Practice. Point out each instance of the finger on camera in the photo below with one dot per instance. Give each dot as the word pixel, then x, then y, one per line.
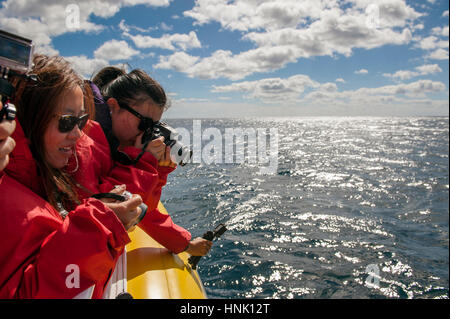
pixel 6 129
pixel 133 202
pixel 6 146
pixel 118 189
pixel 159 150
pixel 157 142
pixel 167 153
pixel 208 243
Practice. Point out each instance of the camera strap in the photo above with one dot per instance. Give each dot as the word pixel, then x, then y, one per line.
pixel 114 196
pixel 122 198
pixel 124 159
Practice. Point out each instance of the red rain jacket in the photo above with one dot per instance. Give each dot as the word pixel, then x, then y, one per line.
pixel 145 178
pixel 42 255
pixel 34 236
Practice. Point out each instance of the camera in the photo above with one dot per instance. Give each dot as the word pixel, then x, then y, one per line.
pixel 8 111
pixel 15 52
pixel 179 153
pixel 15 60
pixel 16 55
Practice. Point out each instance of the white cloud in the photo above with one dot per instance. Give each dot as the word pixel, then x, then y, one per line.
pixel 300 89
pixel 361 71
pixel 115 50
pixel 127 28
pixel 85 66
pixel 414 89
pixel 445 13
pixel 47 50
pixel 112 50
pixel 333 34
pixel 41 22
pixel 420 70
pixel 429 69
pixel 438 48
pixel 436 44
pixel 223 63
pixel 179 61
pixel 275 49
pixel 154 3
pixel 273 90
pixel 340 80
pixel 273 14
pixel 285 31
pixel 440 31
pixel 166 27
pixel 439 54
pixel 431 43
pixel 169 42
pixel 190 100
pixel 402 75
pixel 328 87
pixel 302 96
pixel 419 26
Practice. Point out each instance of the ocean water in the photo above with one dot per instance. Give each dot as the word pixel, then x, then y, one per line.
pixel 356 208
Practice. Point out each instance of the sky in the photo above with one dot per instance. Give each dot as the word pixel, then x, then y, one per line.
pixel 257 58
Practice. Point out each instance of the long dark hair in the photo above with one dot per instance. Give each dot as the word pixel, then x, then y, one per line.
pixel 36 106
pixel 128 88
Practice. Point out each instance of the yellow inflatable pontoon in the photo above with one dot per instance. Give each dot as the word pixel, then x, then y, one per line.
pixel 153 272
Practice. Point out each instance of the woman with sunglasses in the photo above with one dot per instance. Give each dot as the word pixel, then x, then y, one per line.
pixel 55 245
pixel 127 104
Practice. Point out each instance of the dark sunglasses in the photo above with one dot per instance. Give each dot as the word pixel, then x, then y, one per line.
pixel 67 123
pixel 145 124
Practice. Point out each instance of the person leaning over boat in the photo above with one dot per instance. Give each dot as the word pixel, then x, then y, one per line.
pixel 54 245
pixel 7 144
pixel 118 96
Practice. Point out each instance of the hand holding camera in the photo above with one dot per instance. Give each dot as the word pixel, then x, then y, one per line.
pixel 164 145
pixel 16 54
pixel 166 159
pixel 155 147
pixel 15 60
pixel 7 144
pixel 8 110
pixel 129 208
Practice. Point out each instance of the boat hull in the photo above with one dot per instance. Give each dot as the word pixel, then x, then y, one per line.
pixel 153 272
